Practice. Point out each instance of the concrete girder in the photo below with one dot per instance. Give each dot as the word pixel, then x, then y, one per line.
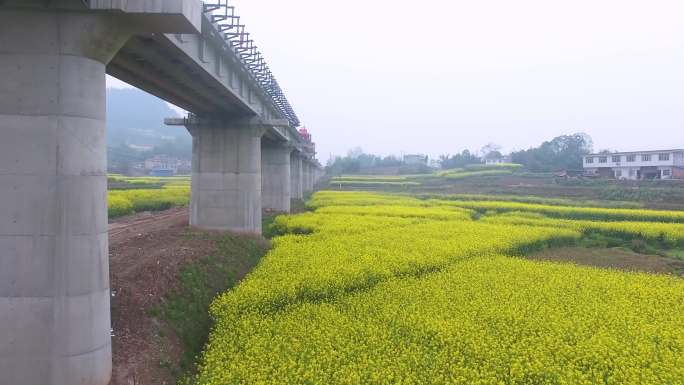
pixel 235 93
pixel 129 69
pixel 196 91
pixel 185 16
pixel 54 274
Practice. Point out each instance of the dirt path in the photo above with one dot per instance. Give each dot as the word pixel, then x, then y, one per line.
pixel 615 258
pixel 146 252
pixel 124 229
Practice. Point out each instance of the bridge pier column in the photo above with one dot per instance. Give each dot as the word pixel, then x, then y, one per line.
pixel 310 177
pixel 226 177
pixel 314 170
pixel 308 186
pixel 275 177
pixel 296 176
pixel 54 275
pixel 314 175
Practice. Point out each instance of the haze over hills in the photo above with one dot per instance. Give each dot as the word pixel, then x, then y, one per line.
pixel 137 118
pixel 136 130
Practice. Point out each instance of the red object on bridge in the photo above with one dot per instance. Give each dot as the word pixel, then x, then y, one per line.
pixel 304 133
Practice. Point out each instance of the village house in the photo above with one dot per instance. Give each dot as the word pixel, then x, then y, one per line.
pixel 164 165
pixel 496 159
pixel 636 165
pixel 415 159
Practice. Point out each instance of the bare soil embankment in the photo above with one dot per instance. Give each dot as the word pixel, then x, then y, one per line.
pixel 146 251
pixel 163 277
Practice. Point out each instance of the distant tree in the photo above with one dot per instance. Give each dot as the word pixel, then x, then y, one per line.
pixel 355 152
pixel 443 159
pixel 458 160
pixel 389 161
pixel 564 152
pixel 177 149
pixel 491 151
pixel 357 160
pixel 342 165
pixel 493 155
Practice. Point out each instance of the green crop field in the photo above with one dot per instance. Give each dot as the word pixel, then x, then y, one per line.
pixel 392 289
pixel 510 182
pixel 132 195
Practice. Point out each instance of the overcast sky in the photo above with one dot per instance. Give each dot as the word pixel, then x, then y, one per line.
pixel 437 76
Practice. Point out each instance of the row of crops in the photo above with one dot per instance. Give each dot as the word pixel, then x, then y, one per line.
pixel 475 170
pixel 386 289
pixel 480 170
pixel 134 195
pixel 372 181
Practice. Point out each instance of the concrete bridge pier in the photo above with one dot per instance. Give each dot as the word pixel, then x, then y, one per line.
pixel 296 174
pixel 226 176
pixel 308 177
pixel 312 175
pixel 305 176
pixel 54 276
pixel 312 170
pixel 275 176
pixel 316 174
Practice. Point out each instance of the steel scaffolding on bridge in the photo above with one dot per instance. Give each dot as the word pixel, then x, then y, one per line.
pixel 228 24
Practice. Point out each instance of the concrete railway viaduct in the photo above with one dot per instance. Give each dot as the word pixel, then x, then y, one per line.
pixel 247 155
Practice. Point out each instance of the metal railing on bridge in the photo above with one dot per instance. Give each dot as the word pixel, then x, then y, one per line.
pixel 227 22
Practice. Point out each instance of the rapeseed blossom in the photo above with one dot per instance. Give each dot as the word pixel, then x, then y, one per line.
pixel 390 289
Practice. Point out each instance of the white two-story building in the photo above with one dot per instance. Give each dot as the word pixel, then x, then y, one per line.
pixel 497 160
pixel 663 164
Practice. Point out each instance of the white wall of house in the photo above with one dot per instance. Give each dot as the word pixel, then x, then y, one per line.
pixel 415 159
pixel 505 159
pixel 162 162
pixel 679 158
pixel 632 165
pixel 646 159
pixel 630 173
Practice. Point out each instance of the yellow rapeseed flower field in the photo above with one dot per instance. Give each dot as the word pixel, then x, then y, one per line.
pixel 175 191
pixel 389 289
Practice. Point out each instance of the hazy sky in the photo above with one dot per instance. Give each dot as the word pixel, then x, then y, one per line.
pixel 436 76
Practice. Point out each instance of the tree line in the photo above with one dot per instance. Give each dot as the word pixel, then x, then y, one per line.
pixel 563 152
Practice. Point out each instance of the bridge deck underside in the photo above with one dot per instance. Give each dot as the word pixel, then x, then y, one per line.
pixel 152 64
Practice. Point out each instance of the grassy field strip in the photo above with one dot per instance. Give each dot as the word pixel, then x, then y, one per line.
pixel 371 183
pixel 367 293
pixel 591 213
pixel 568 212
pixel 375 178
pixel 474 170
pixel 470 174
pixel 531 199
